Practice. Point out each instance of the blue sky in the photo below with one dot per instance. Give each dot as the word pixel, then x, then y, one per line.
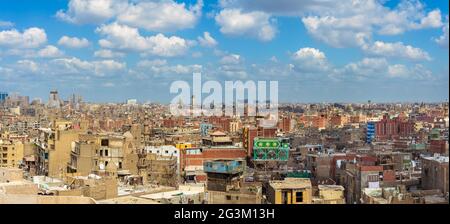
pixel 318 50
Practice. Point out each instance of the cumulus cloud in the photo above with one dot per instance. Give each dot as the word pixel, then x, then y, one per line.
pixel 231 59
pixel 418 71
pixel 443 39
pixel 207 40
pixel 91 11
pixel 283 7
pixel 336 32
pixel 73 42
pixel 27 66
pixel 377 68
pixel 6 23
pixel 123 37
pixel 397 49
pixel 76 66
pixel 344 23
pixel 159 66
pixel 366 67
pixel 159 16
pixel 108 54
pixel 310 60
pixel 29 38
pixel 50 51
pixel 256 24
pixel 353 22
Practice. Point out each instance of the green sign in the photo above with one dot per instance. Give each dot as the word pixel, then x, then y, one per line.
pixel 272 149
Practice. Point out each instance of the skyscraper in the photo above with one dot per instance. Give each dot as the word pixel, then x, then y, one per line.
pixel 54 101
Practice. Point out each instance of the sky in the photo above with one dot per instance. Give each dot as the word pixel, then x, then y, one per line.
pixel 317 50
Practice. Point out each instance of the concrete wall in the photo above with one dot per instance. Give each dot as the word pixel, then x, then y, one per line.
pixel 36 199
pixel 60 156
pixel 22 187
pixel 218 197
pixel 10 174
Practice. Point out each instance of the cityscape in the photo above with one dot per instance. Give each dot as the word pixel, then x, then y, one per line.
pixel 224 102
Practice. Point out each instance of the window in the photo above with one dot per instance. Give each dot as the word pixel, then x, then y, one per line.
pixel 373 178
pixel 299 196
pixel 101 152
pixel 228 197
pixel 120 165
pixel 106 152
pixel 105 142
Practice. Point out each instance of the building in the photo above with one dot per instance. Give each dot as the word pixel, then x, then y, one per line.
pixel 290 191
pixel 164 151
pixel 399 195
pixel 103 154
pixel 225 184
pixel 435 173
pixel 329 194
pixel 11 153
pixel 192 159
pixel 54 147
pixel 53 100
pixel 391 128
pixel 370 132
pixel 162 170
pixel 3 96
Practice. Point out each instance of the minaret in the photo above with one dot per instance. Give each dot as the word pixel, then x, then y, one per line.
pixel 193 107
pixel 142 166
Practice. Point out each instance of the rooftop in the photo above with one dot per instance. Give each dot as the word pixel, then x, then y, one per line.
pixel 437 158
pixel 291 183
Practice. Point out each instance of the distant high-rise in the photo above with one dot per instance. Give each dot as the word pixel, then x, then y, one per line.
pixel 54 101
pixel 3 96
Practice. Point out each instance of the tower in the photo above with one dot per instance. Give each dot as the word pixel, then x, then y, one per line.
pixel 142 166
pixel 53 101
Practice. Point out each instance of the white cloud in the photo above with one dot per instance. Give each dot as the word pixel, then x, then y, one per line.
pixel 310 60
pixel 91 11
pixel 76 66
pixel 306 53
pixel 231 59
pixel 237 23
pixel 27 66
pixel 336 32
pixel 378 68
pixel 29 38
pixel 159 66
pixel 397 49
pixel 403 71
pixel 353 22
pixel 73 42
pixel 123 37
pixel 6 23
pixel 207 40
pixel 50 51
pixel 231 66
pixel 283 7
pixel 432 20
pixel 161 16
pixel 443 39
pixel 108 54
